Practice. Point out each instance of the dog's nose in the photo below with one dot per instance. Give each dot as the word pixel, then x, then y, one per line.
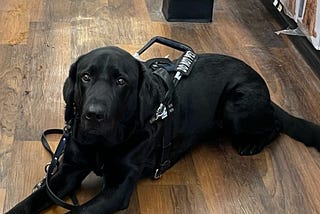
pixel 95 113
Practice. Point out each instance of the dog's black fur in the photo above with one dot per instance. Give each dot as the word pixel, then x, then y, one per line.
pixel 111 96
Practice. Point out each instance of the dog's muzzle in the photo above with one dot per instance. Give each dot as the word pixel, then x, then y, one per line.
pixel 95 113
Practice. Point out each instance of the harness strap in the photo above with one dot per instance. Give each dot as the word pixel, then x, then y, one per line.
pixel 182 68
pixel 156 63
pixel 165 76
pixel 165 162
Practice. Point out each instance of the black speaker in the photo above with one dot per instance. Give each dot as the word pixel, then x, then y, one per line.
pixel 188 10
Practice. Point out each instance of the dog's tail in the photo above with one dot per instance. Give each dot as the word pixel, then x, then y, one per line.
pixel 297 128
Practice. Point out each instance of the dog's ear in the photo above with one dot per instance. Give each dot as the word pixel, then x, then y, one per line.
pixel 148 97
pixel 68 93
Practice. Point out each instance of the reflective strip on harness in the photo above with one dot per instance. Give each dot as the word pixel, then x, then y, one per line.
pixel 185 64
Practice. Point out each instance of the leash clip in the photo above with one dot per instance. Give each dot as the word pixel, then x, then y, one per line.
pixel 163 166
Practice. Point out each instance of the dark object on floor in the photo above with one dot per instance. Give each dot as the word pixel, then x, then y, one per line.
pixel 188 10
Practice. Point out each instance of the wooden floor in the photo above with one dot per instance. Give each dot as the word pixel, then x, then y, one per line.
pixel 39 39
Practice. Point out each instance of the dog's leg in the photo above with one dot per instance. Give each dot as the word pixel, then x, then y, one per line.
pixel 250 134
pixel 249 118
pixel 113 197
pixel 62 183
pixel 119 183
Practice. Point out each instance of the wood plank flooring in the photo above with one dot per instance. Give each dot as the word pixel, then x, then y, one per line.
pixel 39 39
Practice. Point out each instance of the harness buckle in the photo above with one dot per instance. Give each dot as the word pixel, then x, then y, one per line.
pixel 55 166
pixel 161 113
pixel 163 166
pixel 157 174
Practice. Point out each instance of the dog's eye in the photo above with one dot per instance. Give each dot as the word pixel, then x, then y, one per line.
pixel 85 78
pixel 121 82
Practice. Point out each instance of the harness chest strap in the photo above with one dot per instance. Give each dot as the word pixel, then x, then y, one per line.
pixel 183 68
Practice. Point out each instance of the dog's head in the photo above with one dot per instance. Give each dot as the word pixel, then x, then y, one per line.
pixel 104 89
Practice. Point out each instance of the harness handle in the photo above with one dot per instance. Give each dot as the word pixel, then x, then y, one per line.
pixel 164 41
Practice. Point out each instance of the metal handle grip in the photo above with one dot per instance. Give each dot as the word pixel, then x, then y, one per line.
pixel 167 42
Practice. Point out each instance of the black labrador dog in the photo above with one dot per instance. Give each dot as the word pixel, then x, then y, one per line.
pixel 112 97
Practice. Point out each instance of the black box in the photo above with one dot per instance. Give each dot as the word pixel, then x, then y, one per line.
pixel 188 10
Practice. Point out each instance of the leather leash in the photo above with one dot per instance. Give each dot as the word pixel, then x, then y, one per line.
pixel 53 166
